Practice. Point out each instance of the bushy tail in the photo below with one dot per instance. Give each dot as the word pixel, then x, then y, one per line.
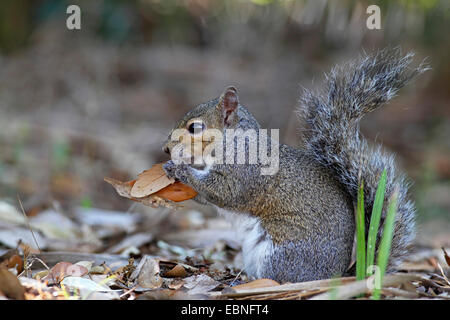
pixel 332 133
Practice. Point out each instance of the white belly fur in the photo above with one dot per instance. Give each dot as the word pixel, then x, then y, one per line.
pixel 257 245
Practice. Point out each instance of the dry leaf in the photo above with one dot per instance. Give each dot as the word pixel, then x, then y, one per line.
pixel 175 272
pixel 447 257
pixel 64 269
pixel 177 192
pixel 150 181
pixel 200 284
pixel 135 240
pixel 41 274
pixel 153 188
pixel 11 259
pixel 11 236
pixel 176 284
pixel 147 273
pixel 57 273
pixel 10 285
pixel 86 287
pixel 97 270
pixel 15 262
pixel 86 264
pixel 111 260
pixel 124 189
pixel 76 270
pixel 10 214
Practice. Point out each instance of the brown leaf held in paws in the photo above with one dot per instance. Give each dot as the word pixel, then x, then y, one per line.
pixel 150 181
pixel 176 192
pixel 153 188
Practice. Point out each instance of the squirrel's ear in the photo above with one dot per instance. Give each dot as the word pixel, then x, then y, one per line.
pixel 228 102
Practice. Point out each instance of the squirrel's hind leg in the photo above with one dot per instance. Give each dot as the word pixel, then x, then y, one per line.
pixel 295 262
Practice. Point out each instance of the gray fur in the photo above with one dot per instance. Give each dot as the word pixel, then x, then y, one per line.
pixel 332 134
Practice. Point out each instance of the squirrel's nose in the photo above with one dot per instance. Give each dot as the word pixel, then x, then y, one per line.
pixel 166 149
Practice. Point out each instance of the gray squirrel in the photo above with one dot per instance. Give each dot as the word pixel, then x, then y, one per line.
pixel 299 223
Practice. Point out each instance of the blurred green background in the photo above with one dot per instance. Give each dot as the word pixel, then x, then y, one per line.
pixel 78 105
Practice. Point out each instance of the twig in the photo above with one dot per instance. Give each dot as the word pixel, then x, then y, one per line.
pixel 443 274
pixel 309 285
pixel 400 293
pixel 28 223
pixel 231 284
pixel 360 287
pixel 127 292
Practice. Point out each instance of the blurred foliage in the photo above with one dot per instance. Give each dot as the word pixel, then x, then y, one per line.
pixel 191 20
pixel 15 24
pixel 61 154
pixel 124 57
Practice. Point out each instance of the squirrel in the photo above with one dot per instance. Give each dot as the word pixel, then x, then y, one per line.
pixel 299 223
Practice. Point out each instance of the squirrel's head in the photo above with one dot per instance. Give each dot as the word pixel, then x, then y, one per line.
pixel 218 114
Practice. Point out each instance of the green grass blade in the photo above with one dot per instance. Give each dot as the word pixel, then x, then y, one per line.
pixel 360 236
pixel 386 239
pixel 375 219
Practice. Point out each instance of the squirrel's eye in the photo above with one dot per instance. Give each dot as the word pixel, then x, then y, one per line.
pixel 196 127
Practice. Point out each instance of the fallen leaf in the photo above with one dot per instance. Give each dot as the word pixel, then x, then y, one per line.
pixel 76 270
pixel 6 255
pixel 41 274
pixel 97 270
pixel 176 272
pixel 200 284
pixel 122 188
pixel 176 284
pixel 85 285
pixel 10 285
pixel 85 264
pixel 58 272
pixel 147 273
pixel 150 181
pixel 54 225
pixel 107 218
pixel 135 240
pixel 64 269
pixel 111 260
pixel 10 214
pixel 447 257
pixel 103 279
pixel 11 259
pixel 15 262
pixel 10 238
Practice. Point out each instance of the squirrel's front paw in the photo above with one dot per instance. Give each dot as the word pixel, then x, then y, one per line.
pixel 176 171
pixel 169 168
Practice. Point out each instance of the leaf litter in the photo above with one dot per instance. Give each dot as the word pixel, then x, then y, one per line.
pixel 139 255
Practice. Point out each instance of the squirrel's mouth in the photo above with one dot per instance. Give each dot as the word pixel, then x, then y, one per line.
pixel 198 166
pixel 194 162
